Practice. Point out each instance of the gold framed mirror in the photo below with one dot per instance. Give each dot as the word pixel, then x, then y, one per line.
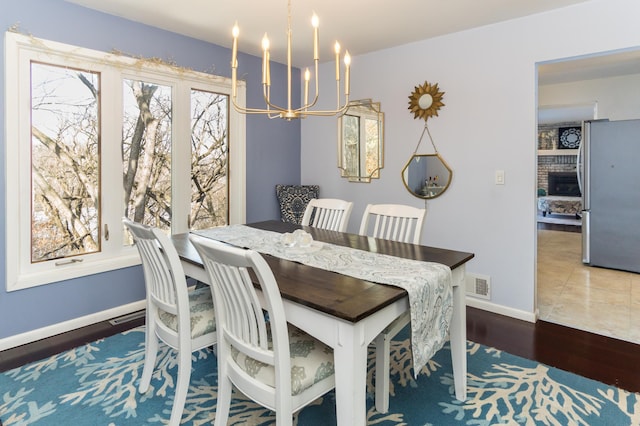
pixel 427 176
pixel 425 101
pixel 361 141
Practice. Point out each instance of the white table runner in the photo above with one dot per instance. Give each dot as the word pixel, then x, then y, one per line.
pixel 428 284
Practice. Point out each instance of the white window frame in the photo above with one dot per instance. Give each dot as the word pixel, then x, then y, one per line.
pixel 20 50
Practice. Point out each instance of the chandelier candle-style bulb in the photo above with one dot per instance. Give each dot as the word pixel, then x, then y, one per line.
pixel 265 59
pixel 347 64
pixel 307 77
pixel 315 23
pixel 234 51
pixel 234 61
pixel 336 47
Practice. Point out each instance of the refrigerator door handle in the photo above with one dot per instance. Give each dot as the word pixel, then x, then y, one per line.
pixel 583 164
pixel 586 235
pixel 579 166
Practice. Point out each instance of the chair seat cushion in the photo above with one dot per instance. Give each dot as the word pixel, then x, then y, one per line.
pixel 311 362
pixel 203 319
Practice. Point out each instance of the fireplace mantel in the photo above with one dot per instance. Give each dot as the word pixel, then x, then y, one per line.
pixel 547 152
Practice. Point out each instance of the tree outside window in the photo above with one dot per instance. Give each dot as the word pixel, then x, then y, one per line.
pixel 95 137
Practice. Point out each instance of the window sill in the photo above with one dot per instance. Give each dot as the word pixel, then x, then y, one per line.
pixel 70 271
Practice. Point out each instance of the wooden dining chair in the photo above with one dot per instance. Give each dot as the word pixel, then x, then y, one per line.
pixel 269 360
pixel 327 213
pixel 401 223
pixel 180 318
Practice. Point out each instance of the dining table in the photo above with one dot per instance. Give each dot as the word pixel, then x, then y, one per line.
pixel 347 313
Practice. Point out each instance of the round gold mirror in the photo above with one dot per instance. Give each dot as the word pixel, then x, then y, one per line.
pixel 426 176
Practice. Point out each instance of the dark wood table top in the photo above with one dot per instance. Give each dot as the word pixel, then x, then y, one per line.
pixel 345 297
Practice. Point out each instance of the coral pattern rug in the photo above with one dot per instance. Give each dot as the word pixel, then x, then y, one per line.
pixel 96 384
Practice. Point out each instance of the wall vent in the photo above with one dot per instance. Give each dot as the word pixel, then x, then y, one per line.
pixel 127 318
pixel 478 286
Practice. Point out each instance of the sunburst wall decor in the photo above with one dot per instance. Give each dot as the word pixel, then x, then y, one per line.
pixel 425 101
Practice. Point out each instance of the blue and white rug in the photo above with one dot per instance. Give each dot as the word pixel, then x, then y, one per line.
pixel 96 384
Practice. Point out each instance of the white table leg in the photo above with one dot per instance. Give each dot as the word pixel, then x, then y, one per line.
pixel 459 334
pixel 350 355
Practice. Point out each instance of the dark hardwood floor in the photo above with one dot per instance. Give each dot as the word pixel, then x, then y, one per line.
pixel 559 227
pixel 607 360
pixel 44 348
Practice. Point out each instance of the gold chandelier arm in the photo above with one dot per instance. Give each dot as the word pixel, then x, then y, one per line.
pixel 245 110
pixel 323 113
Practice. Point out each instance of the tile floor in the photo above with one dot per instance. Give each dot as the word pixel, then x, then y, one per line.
pixel 602 301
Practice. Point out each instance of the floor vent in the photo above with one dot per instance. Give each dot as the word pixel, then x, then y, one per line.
pixel 126 318
pixel 479 286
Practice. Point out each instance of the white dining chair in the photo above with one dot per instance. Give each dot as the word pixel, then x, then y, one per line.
pixel 328 213
pixel 401 223
pixel 396 222
pixel 269 360
pixel 180 318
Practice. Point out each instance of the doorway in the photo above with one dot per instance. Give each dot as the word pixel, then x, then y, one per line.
pixel 567 291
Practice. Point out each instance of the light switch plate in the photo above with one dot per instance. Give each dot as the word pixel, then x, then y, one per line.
pixel 499 177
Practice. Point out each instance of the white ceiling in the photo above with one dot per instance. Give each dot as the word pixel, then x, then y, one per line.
pixel 360 26
pixel 609 64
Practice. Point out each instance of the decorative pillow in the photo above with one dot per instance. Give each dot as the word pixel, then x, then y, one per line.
pixel 293 200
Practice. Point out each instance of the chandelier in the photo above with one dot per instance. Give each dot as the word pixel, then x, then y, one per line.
pixel 288 112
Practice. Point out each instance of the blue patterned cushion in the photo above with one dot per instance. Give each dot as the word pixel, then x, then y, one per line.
pixel 203 319
pixel 293 201
pixel 311 362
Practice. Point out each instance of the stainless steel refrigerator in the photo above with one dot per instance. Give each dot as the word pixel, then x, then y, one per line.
pixel 609 174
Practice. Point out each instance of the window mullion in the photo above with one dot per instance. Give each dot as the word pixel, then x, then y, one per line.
pixel 111 189
pixel 181 158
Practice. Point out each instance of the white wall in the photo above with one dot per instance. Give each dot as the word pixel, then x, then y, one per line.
pixel 488 123
pixel 618 98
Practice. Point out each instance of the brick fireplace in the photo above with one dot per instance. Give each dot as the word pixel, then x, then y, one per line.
pixel 550 158
pixel 563 183
pixel 554 164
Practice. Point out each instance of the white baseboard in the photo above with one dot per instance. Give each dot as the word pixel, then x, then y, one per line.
pixel 62 327
pixel 485 305
pixel 52 330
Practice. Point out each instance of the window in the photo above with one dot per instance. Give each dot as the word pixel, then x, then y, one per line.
pixel 92 137
pixel 65 173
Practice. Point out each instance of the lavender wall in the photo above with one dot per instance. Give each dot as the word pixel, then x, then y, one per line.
pixel 273 147
pixel 488 123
